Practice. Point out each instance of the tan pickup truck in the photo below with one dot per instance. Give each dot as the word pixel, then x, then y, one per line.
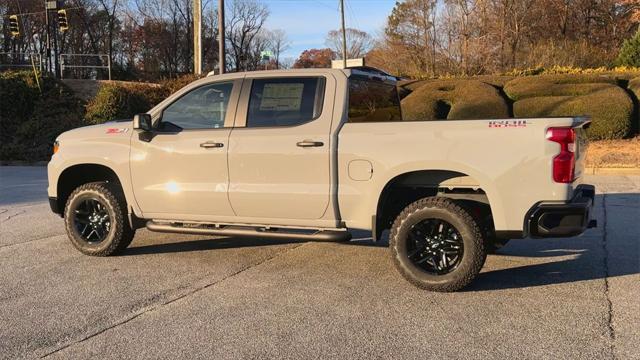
pixel 312 154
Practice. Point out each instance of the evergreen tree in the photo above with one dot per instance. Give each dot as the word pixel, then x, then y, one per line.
pixel 630 52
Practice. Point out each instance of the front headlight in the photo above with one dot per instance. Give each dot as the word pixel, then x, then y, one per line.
pixel 56 146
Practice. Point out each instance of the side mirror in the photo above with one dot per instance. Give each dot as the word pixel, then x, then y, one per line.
pixel 142 122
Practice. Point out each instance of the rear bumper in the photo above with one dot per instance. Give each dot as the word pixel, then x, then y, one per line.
pixel 563 219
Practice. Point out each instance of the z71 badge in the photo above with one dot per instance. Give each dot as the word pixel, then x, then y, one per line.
pixel 117 131
pixel 508 123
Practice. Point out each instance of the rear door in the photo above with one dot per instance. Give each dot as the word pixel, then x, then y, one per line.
pixel 279 148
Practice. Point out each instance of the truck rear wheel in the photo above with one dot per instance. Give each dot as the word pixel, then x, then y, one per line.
pixel 95 219
pixel 437 245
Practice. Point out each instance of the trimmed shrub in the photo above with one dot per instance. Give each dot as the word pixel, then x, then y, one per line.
pixel 634 86
pixel 121 101
pixel 498 81
pixel 18 94
pixel 454 100
pixel 557 85
pixel 173 85
pixel 32 120
pixel 618 71
pixel 609 106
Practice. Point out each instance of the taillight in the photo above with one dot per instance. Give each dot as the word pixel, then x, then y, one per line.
pixel 563 163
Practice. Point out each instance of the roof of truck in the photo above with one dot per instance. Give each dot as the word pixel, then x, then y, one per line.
pixel 360 70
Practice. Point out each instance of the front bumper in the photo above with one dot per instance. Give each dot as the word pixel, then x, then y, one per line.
pixel 55 207
pixel 563 219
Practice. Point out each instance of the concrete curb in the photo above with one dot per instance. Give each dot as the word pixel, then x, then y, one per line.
pixel 23 163
pixel 612 171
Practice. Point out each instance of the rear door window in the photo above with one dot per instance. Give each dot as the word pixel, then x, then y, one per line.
pixel 285 101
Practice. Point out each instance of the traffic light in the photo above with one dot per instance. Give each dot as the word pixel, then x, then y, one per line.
pixel 63 25
pixel 14 27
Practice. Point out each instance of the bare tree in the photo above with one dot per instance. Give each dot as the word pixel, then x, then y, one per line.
pixel 358 43
pixel 110 7
pixel 278 43
pixel 412 28
pixel 243 32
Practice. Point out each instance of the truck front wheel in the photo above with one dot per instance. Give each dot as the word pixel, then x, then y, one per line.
pixel 437 245
pixel 95 218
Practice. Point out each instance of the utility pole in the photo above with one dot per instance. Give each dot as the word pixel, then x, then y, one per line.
pixel 344 36
pixel 48 41
pixel 221 40
pixel 197 37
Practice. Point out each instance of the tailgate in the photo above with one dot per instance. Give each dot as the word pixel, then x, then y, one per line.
pixel 580 127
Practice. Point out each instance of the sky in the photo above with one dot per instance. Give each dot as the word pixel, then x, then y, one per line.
pixel 307 22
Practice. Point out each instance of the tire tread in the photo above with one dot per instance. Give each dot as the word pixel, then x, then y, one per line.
pixel 124 234
pixel 447 204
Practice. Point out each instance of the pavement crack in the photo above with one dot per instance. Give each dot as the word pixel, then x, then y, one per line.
pixel 154 307
pixel 610 329
pixel 14 215
pixel 30 241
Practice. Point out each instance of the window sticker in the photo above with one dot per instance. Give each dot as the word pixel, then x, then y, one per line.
pixel 281 97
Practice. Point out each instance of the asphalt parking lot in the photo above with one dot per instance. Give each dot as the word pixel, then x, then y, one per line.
pixel 185 296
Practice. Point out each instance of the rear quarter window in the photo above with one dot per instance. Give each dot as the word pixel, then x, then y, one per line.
pixel 373 100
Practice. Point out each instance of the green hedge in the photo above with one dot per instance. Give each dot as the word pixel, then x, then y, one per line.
pixel 31 120
pixel 634 87
pixel 453 99
pixel 597 96
pixel 172 85
pixel 120 101
pixel 18 94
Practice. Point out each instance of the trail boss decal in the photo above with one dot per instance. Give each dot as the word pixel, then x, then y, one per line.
pixel 117 131
pixel 508 123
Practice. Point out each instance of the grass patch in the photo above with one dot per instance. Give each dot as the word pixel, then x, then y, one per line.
pixel 453 100
pixel 614 154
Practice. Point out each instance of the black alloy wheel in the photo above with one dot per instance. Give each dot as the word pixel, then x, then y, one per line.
pixel 96 220
pixel 91 220
pixel 435 246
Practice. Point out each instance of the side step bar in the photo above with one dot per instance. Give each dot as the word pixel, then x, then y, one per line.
pixel 247 231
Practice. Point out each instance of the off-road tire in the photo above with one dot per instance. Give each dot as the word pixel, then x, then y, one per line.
pixel 120 234
pixel 473 257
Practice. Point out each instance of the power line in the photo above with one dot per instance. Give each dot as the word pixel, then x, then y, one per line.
pixel 353 15
pixel 42 12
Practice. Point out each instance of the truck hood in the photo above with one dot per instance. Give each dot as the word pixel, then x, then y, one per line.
pixel 108 130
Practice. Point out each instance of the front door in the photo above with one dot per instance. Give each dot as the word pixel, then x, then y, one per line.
pixel 279 149
pixel 180 170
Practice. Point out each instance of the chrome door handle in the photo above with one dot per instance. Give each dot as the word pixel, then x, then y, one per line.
pixel 309 143
pixel 211 144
